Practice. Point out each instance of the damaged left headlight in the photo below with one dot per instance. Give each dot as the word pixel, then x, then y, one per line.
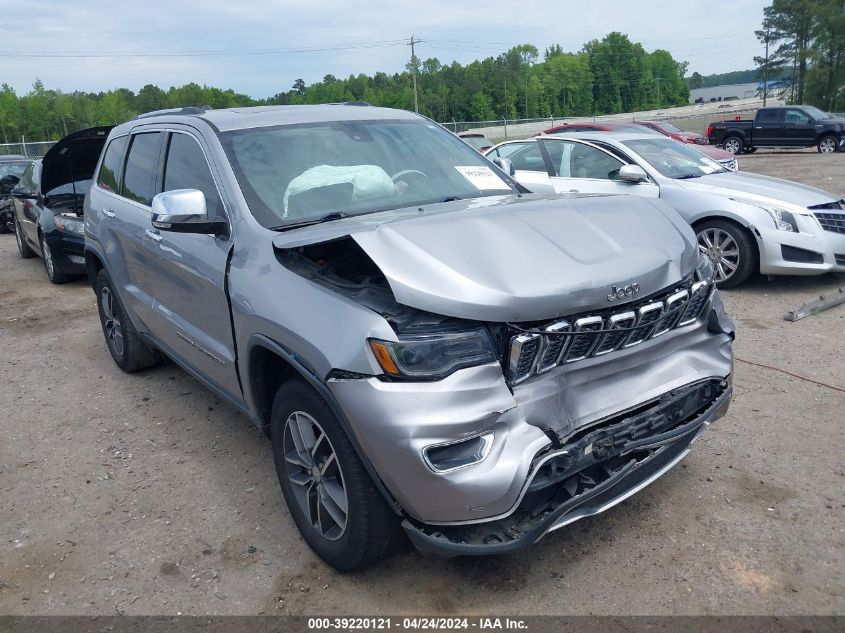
pixel 432 356
pixel 704 270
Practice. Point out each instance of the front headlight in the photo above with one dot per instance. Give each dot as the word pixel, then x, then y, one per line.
pixel 784 220
pixel 431 356
pixel 72 225
pixel 704 269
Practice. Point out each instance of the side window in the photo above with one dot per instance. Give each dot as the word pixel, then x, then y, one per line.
pixel 109 176
pixel 583 161
pixel 139 179
pixel 186 168
pixel 796 117
pixel 770 117
pixel 524 156
pixel 28 177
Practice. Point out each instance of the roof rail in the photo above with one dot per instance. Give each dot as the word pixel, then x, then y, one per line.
pixel 187 110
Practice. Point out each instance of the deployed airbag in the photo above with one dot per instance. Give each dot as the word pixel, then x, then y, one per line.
pixel 368 181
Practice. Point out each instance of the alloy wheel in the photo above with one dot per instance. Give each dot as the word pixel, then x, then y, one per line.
pixel 722 250
pixel 732 145
pixel 827 145
pixel 48 258
pixel 315 475
pixel 111 322
pixel 18 237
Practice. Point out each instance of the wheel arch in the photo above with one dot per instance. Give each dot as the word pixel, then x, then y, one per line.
pixel 740 223
pixel 93 266
pixel 269 365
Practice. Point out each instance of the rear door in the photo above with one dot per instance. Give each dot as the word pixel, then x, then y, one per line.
pixel 532 168
pixel 580 167
pixel 769 129
pixel 187 272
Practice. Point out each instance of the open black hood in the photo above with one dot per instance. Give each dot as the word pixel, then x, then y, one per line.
pixel 73 158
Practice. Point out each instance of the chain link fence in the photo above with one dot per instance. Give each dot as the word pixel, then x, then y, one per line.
pixel 30 149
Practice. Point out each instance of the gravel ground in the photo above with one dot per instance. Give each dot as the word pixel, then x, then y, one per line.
pixel 145 494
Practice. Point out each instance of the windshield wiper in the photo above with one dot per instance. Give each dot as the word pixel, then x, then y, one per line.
pixel 687 176
pixel 329 217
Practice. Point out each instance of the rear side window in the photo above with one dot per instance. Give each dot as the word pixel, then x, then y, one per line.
pixel 770 117
pixel 139 180
pixel 187 168
pixel 109 176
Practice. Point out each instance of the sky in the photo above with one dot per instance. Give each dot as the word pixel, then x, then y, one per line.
pixel 259 47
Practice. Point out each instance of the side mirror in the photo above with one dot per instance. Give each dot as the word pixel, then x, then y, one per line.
pixel 24 193
pixel 506 165
pixel 632 173
pixel 184 211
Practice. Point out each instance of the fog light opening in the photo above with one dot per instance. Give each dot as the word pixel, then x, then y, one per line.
pixel 443 458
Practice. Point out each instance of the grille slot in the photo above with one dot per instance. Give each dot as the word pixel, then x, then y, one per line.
pixel 523 354
pixel 840 259
pixel 699 293
pixel 582 344
pixel 674 309
pixel 612 340
pixel 553 346
pixel 834 222
pixel 647 318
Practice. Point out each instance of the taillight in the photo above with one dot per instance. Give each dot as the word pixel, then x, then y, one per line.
pixel 708 131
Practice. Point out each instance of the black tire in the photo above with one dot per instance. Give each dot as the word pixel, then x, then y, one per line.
pixel 749 150
pixel 53 275
pixel 371 531
pixel 826 143
pixel 4 224
pixel 748 256
pixel 733 144
pixel 23 246
pixel 133 353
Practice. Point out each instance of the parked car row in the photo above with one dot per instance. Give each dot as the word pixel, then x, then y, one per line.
pixel 463 353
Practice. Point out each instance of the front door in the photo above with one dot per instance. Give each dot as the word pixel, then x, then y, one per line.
pixel 190 307
pixel 582 168
pixel 799 129
pixel 531 167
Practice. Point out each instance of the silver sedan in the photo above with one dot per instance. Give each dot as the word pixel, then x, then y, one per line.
pixel 745 223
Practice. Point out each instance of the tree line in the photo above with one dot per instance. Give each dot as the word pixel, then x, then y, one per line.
pixel 607 76
pixel 806 40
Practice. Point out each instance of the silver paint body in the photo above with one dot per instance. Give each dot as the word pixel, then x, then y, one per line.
pixel 721 195
pixel 494 259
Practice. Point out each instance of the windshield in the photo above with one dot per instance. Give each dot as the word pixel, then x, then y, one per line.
pixel 303 173
pixel 817 114
pixel 12 169
pixel 478 142
pixel 673 159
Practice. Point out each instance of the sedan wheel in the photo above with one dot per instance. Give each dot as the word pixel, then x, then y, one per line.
pixel 315 475
pixel 723 251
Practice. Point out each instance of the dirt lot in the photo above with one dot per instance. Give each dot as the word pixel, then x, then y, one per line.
pixel 144 494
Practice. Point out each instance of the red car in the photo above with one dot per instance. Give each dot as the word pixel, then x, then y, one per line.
pixel 667 129
pixel 725 159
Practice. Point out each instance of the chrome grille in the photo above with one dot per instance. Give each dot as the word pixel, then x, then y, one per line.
pixel 573 339
pixel 834 222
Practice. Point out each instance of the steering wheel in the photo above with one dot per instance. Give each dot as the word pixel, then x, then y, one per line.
pixel 407 172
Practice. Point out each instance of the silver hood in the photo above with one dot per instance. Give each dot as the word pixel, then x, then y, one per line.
pixel 743 185
pixel 519 258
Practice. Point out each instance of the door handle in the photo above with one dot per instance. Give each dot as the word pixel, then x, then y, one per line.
pixel 154 235
pixel 109 213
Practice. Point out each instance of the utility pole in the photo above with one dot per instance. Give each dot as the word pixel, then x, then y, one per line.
pixel 414 73
pixel 766 71
pixel 657 81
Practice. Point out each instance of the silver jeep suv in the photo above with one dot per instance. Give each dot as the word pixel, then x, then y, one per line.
pixel 428 345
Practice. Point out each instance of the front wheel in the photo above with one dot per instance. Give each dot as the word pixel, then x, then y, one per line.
pixel 733 144
pixel 329 493
pixel 127 349
pixel 827 145
pixel 730 248
pixel 50 263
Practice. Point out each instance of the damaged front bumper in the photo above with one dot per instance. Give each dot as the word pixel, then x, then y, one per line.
pixel 588 475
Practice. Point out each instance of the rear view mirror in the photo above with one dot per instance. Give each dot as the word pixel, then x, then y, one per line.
pixel 184 211
pixel 506 165
pixel 23 192
pixel 632 174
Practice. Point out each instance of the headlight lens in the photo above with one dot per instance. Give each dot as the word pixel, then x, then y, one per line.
pixel 72 225
pixel 784 220
pixel 433 355
pixel 704 270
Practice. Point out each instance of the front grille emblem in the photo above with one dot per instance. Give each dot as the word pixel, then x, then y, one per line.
pixel 620 292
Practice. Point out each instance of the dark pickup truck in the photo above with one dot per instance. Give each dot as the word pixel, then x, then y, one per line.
pixel 785 126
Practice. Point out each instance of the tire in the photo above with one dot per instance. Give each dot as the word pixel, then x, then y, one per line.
pixel 319 470
pixel 733 144
pixel 53 274
pixel 827 144
pixel 4 224
pixel 749 150
pixel 728 244
pixel 23 247
pixel 126 347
